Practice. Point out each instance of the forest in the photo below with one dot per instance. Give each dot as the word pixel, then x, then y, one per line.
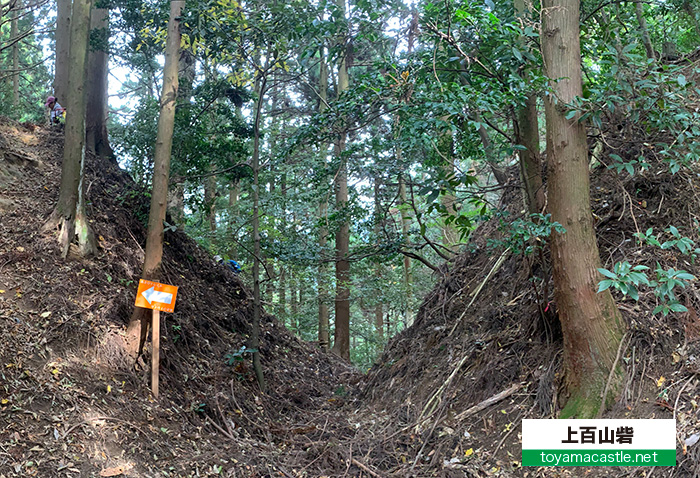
pixel 405 211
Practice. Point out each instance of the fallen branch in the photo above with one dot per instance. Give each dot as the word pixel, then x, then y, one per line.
pixel 489 401
pixel 365 468
pixel 223 432
pixel 491 273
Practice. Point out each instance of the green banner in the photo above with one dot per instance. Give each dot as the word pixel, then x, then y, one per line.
pixel 599 457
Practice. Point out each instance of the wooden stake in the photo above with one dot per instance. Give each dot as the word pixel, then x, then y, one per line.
pixel 155 357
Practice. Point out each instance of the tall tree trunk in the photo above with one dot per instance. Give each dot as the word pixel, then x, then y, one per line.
pixel 341 338
pixel 63 28
pixel 260 87
pixel 66 211
pixel 138 325
pixel 324 326
pixel 97 91
pixel 591 323
pixel 14 33
pixel 527 135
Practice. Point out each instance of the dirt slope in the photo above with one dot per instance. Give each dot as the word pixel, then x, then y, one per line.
pixel 506 345
pixel 70 404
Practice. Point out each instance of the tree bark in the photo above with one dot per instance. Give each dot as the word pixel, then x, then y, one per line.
pixel 63 28
pixel 138 326
pixel 591 323
pixel 341 338
pixel 14 32
pixel 97 140
pixel 527 135
pixel 260 87
pixel 643 30
pixel 66 211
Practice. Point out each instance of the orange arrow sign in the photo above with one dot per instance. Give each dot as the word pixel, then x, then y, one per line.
pixel 156 296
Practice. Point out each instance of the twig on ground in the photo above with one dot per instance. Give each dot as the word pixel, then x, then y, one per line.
pixel 489 401
pixel 675 405
pixel 365 468
pixel 224 432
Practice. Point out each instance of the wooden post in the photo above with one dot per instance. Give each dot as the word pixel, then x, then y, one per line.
pixel 155 357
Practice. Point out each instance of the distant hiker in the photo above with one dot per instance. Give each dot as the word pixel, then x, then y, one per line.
pixel 58 112
pixel 231 264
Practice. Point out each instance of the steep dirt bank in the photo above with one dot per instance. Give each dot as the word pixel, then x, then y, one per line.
pixel 500 346
pixel 71 406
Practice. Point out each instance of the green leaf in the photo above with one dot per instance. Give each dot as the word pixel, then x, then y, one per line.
pixel 660 308
pixel 685 276
pixel 639 278
pixel 517 54
pixel 607 273
pixel 604 285
pixel 682 80
pixel 676 307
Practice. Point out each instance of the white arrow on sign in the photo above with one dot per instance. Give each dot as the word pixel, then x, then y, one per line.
pixel 152 295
